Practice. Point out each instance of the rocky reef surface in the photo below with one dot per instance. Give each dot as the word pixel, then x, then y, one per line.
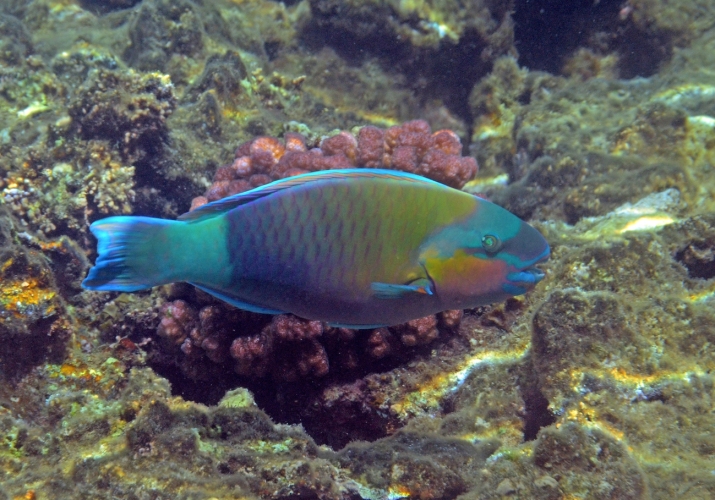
pixel 595 121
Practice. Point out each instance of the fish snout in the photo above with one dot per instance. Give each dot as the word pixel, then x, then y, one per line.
pixel 530 248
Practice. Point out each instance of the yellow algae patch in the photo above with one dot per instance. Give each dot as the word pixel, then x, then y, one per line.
pixel 398 491
pixel 331 101
pixel 701 296
pixel 648 214
pixel 647 223
pixel 32 110
pixel 623 377
pixel 587 416
pixel 429 394
pixel 374 118
pixel 687 92
pixel 97 380
pixel 617 224
pixel 77 372
pixel 21 297
pixel 506 430
pixel 481 183
pixel 586 412
pixel 636 381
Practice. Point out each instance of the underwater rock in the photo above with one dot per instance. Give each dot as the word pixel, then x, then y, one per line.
pixel 105 6
pixel 223 74
pixel 418 465
pixel 129 111
pixel 625 144
pixel 33 327
pixel 582 458
pixel 446 46
pixel 162 28
pixel 15 41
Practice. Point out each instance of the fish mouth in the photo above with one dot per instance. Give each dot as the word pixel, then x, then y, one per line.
pixel 523 280
pixel 526 277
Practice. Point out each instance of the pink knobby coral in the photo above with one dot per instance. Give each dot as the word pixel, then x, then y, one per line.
pixel 410 147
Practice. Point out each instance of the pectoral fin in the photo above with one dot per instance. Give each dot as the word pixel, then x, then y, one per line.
pixel 422 286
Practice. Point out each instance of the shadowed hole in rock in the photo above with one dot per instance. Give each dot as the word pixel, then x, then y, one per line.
pixel 548 32
pixel 698 259
pixel 536 413
pixel 445 73
pixel 340 399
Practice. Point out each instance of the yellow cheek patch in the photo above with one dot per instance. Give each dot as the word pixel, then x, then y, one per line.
pixel 464 273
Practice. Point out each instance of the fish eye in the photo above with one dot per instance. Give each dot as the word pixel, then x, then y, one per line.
pixel 491 243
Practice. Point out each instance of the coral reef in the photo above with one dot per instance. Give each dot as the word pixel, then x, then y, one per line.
pixel 592 119
pixel 449 44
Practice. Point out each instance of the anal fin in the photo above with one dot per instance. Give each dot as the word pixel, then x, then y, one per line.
pixel 355 327
pixel 237 303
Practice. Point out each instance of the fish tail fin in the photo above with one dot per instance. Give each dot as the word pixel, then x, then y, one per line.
pixel 134 253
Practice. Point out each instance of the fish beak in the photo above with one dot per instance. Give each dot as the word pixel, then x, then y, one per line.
pixel 526 277
pixel 531 275
pixel 521 281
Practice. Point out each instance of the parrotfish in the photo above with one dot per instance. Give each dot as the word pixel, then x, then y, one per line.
pixel 357 248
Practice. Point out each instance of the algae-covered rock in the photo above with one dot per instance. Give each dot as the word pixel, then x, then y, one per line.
pixel 578 456
pixel 15 41
pixel 129 112
pixel 33 328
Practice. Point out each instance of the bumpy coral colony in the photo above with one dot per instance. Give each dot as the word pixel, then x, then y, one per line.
pixel 410 147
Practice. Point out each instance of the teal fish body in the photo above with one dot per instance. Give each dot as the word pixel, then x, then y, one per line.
pixel 358 248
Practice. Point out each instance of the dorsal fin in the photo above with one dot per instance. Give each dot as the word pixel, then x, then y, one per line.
pixel 224 205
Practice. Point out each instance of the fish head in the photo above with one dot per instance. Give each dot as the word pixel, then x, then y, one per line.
pixel 487 257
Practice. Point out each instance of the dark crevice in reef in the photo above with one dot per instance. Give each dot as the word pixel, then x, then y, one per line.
pixel 446 73
pixel 548 32
pixel 698 259
pixel 335 423
pixel 156 194
pixel 334 410
pixel 536 413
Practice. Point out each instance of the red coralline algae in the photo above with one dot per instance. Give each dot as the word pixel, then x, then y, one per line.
pixel 291 328
pixel 410 147
pixel 450 319
pixel 288 343
pixel 379 343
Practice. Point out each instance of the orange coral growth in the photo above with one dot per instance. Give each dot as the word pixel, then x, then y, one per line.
pixel 19 296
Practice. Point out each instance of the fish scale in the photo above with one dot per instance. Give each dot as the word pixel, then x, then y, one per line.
pixel 356 248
